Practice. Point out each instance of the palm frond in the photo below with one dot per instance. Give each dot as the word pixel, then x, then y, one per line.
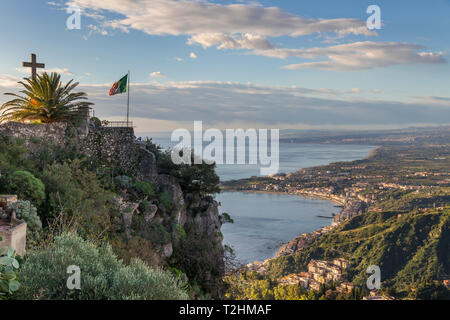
pixel 45 99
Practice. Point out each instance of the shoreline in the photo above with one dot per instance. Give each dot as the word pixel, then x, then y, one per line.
pixel 301 241
pixel 341 203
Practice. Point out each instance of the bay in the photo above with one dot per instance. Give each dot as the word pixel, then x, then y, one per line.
pixel 263 221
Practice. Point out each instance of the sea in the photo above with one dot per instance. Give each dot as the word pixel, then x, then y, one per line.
pixel 264 221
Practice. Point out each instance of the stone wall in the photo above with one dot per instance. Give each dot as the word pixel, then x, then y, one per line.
pixel 52 131
pixel 115 146
pixel 118 148
pixel 14 235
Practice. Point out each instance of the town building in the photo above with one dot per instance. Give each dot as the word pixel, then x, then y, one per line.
pixel 374 295
pixel 319 273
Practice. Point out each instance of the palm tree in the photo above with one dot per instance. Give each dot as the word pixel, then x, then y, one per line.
pixel 46 100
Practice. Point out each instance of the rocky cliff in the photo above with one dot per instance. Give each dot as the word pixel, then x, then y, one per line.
pixel 174 228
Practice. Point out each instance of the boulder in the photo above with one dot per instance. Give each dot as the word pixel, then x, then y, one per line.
pixel 147 165
pixel 150 213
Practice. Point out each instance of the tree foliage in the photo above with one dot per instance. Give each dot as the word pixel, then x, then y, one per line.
pixel 26 186
pixel 103 276
pixel 45 99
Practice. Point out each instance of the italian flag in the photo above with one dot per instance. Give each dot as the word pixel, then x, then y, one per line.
pixel 119 87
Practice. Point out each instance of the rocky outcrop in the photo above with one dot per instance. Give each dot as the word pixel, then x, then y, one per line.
pixel 147 169
pixel 194 212
pixel 183 229
pixel 127 210
pixel 208 220
pixel 202 251
pixel 150 213
pixel 170 186
pixel 195 234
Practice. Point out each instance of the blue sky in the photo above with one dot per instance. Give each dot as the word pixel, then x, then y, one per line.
pixel 287 64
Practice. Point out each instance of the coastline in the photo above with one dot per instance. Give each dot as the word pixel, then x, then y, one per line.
pixel 299 242
pixel 300 194
pixel 347 206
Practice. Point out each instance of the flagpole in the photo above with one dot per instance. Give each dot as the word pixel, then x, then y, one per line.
pixel 128 100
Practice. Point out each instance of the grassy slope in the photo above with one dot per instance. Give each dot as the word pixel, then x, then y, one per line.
pixel 411 245
pixel 412 250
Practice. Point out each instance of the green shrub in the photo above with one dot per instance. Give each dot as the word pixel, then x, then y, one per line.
pixel 159 234
pixel 181 233
pixel 165 200
pixel 27 212
pixel 12 156
pixel 226 218
pixel 27 186
pixel 200 178
pixel 8 272
pixel 103 276
pixel 123 182
pixel 145 188
pixel 78 195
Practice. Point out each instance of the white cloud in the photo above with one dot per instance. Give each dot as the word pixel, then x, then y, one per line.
pixel 178 59
pixel 157 74
pixel 63 71
pixel 224 41
pixel 356 56
pixel 433 100
pixel 196 18
pixel 248 26
pixel 236 104
pixel 7 80
pixel 192 55
pixel 354 91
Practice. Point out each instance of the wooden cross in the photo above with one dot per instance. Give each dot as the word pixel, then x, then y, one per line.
pixel 33 65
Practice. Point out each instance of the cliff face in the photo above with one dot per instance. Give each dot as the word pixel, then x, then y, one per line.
pixel 179 229
pixel 191 223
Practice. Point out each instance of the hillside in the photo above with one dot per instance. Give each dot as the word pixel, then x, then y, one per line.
pixel 396 216
pixel 111 189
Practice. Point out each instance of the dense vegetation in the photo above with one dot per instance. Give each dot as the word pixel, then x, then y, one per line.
pixel 104 277
pixel 63 191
